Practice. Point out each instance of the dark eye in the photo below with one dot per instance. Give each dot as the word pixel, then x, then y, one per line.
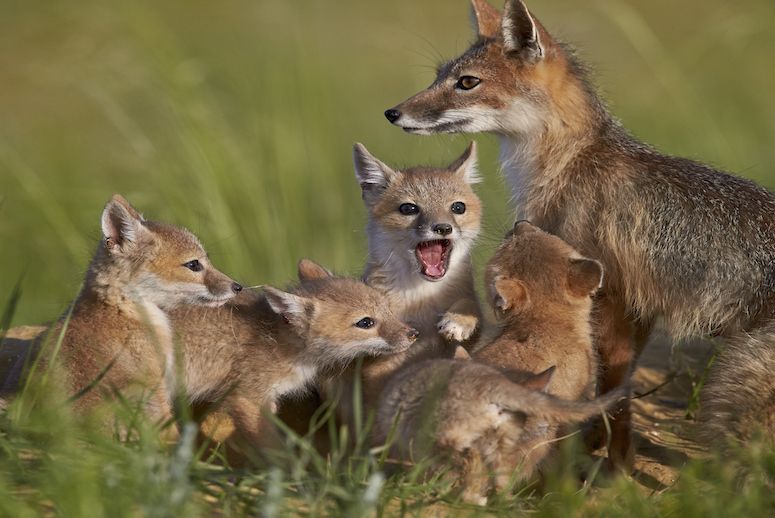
pixel 467 82
pixel 458 207
pixel 365 323
pixel 194 266
pixel 407 209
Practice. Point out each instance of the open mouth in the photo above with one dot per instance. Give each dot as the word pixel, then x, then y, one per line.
pixel 433 257
pixel 214 302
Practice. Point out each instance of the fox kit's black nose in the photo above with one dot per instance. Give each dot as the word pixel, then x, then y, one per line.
pixel 442 229
pixel 392 114
pixel 412 334
pixel 236 287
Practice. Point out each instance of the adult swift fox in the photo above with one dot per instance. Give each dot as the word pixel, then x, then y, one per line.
pixel 118 327
pixel 246 355
pixel 677 239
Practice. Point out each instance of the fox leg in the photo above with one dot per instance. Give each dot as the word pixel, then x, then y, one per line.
pixel 461 321
pixel 620 340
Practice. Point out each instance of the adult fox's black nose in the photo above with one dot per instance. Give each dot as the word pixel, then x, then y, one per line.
pixel 442 229
pixel 236 287
pixel 392 114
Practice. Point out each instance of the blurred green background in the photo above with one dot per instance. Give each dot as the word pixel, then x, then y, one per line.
pixel 236 119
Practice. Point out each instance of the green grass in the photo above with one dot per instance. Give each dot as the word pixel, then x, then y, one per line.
pixel 236 120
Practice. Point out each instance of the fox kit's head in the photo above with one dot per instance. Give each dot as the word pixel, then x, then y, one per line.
pixel 423 219
pixel 339 319
pixel 534 269
pixel 154 262
pixel 510 81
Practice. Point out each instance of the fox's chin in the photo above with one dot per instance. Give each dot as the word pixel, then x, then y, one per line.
pixel 444 127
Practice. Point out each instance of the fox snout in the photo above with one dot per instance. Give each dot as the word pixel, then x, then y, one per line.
pixel 220 285
pixel 401 337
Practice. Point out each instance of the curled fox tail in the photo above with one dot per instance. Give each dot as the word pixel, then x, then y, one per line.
pixel 738 400
pixel 529 402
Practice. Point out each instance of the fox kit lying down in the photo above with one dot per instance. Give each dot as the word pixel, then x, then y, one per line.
pixel 474 420
pixel 118 324
pixel 246 355
pixel 541 290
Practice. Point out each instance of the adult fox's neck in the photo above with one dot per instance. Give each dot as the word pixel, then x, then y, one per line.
pixel 576 126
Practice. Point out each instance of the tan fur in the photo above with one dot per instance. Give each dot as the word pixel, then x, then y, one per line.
pixel 248 354
pixel 649 218
pixel 541 290
pixel 474 421
pixel 138 274
pixel 445 311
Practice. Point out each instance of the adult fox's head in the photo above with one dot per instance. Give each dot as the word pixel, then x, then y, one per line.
pixel 421 220
pixel 514 79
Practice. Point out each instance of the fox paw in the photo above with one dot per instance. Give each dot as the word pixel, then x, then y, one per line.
pixel 457 327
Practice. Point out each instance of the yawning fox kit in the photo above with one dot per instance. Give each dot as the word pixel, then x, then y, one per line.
pixel 611 237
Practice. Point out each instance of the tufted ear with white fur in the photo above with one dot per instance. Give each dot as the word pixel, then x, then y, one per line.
pixel 467 165
pixel 520 32
pixel 122 225
pixel 296 310
pixel 370 171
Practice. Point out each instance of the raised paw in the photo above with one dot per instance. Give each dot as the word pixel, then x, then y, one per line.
pixel 457 327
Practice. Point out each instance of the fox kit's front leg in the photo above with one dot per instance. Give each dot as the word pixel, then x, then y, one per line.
pixel 461 321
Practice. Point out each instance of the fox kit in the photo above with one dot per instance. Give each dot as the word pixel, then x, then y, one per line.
pixel 678 239
pixel 118 325
pixel 422 224
pixel 249 353
pixel 475 421
pixel 541 290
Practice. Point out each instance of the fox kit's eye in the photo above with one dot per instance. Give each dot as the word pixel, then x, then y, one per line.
pixel 407 209
pixel 194 266
pixel 365 323
pixel 467 82
pixel 458 207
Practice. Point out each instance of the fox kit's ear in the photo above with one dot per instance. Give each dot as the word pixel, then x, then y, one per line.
pixel 466 165
pixel 370 172
pixel 295 309
pixel 121 224
pixel 539 381
pixel 523 226
pixel 486 18
pixel 510 294
pixel 461 353
pixel 585 276
pixel 309 270
pixel 520 32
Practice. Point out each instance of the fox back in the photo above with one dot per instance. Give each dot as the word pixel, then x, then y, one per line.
pixel 541 291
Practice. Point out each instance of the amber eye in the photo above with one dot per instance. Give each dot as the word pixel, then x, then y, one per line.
pixel 407 209
pixel 458 207
pixel 467 82
pixel 365 323
pixel 194 266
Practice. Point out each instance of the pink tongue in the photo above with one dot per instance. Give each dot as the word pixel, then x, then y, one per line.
pixel 431 257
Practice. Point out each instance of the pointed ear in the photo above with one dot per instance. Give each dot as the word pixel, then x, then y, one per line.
pixel 585 277
pixel 309 270
pixel 486 19
pixel 466 165
pixel 370 171
pixel 295 309
pixel 520 32
pixel 122 225
pixel 523 226
pixel 461 353
pixel 510 294
pixel 539 381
